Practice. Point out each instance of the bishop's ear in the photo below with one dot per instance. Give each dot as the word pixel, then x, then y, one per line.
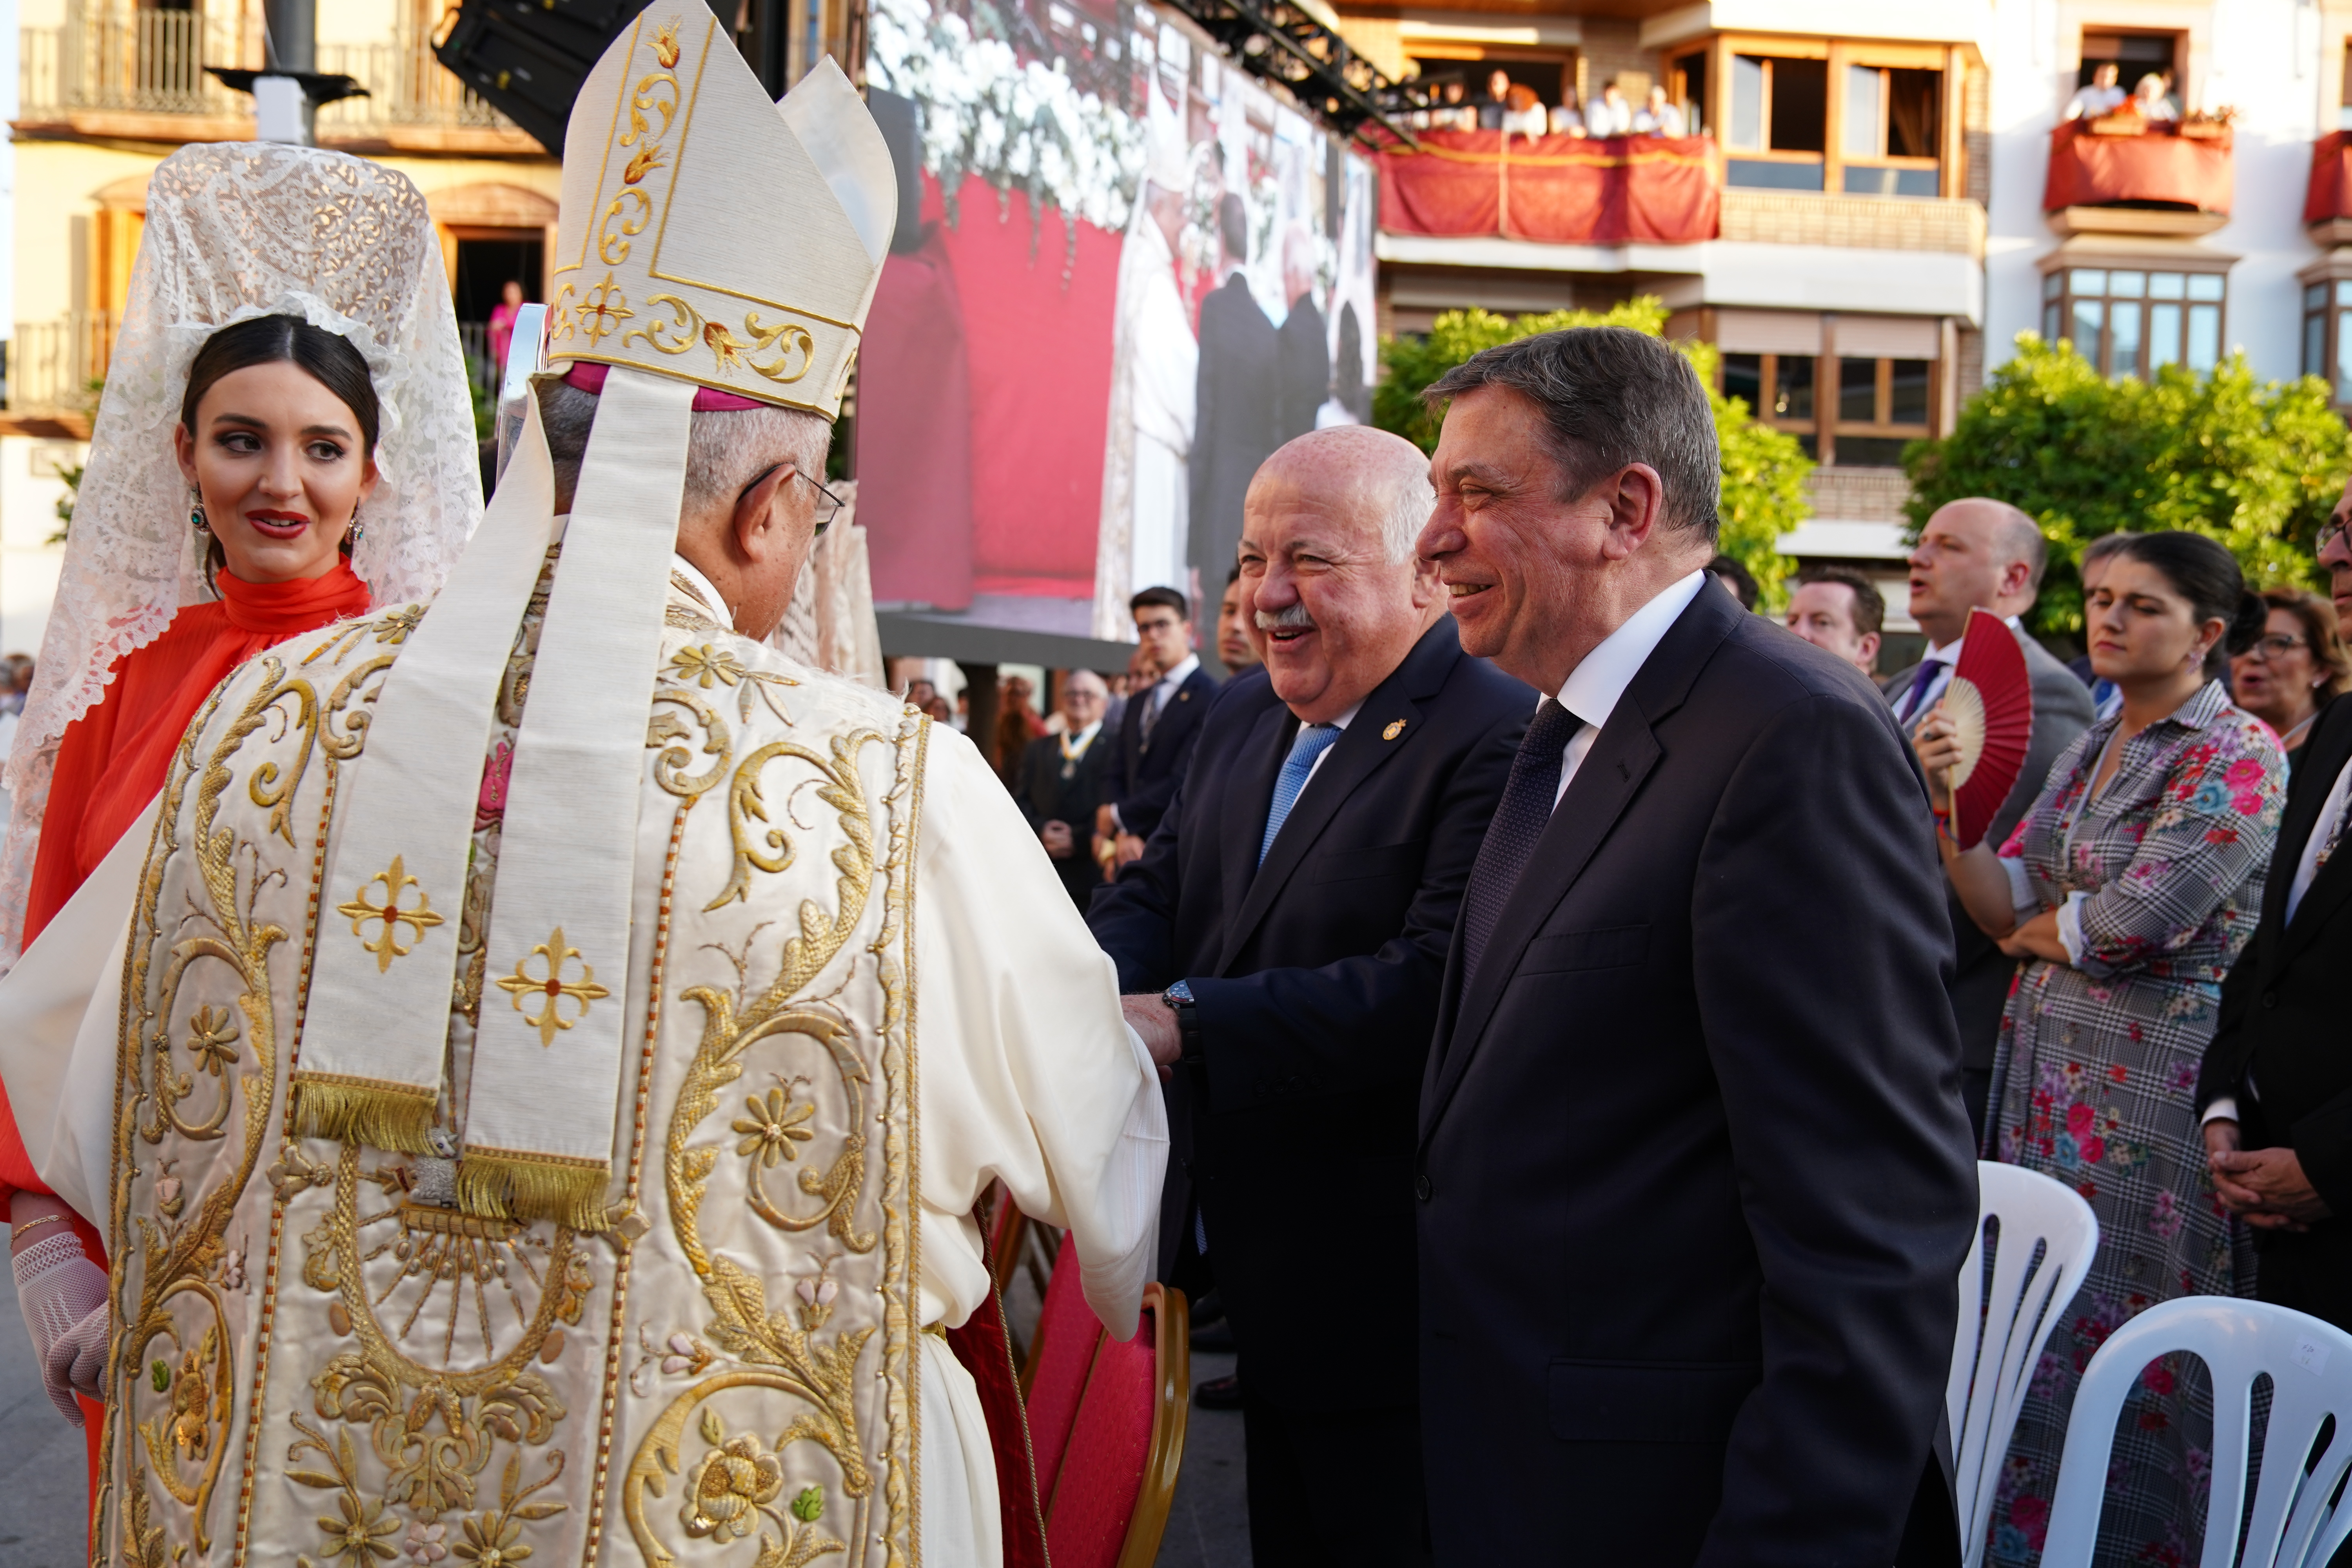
pixel 763 521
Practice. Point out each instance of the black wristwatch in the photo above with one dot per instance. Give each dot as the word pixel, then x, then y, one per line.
pixel 1178 999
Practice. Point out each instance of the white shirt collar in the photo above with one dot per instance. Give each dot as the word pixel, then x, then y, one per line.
pixel 1182 673
pixel 702 584
pixel 1595 686
pixel 1083 738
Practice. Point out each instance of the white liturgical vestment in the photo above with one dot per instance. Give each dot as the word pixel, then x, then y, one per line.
pixel 858 994
pixel 1166 370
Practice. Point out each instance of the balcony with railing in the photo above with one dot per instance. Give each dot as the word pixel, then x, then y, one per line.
pixel 2123 174
pixel 140 74
pixel 54 371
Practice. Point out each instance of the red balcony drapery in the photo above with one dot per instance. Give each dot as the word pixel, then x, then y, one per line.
pixel 2330 193
pixel 1651 189
pixel 2159 165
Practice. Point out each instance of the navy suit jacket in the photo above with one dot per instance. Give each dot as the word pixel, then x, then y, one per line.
pixel 1149 771
pixel 1694 1179
pixel 1317 977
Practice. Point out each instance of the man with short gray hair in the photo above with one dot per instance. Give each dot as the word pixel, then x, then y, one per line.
pixel 1692 1179
pixel 1281 942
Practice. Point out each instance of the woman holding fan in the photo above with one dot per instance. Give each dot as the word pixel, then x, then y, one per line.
pixel 2129 888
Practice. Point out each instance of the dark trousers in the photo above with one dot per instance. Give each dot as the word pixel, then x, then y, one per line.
pixel 1334 1489
pixel 1976 1089
pixel 2310 1272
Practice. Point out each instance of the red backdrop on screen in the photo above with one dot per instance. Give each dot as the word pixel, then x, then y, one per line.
pixel 1037 349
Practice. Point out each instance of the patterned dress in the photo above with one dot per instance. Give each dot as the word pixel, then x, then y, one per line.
pixel 2095 1078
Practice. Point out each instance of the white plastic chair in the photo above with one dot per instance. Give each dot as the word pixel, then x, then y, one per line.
pixel 2295 1522
pixel 1994 1352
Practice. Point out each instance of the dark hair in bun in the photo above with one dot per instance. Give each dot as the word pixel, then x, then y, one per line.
pixel 2206 575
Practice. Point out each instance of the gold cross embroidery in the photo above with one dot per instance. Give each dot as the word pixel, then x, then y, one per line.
pixel 553 987
pixel 388 946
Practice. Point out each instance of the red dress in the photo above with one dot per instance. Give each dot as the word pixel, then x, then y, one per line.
pixel 113 760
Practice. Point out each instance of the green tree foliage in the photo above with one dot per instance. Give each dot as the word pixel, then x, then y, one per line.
pixel 2255 465
pixel 1764 470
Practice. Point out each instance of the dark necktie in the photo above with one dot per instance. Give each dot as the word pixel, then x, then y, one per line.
pixel 1518 822
pixel 1928 670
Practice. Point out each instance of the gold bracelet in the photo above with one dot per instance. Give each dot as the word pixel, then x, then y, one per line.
pixel 34 1224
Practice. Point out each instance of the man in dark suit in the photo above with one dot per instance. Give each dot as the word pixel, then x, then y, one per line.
pixel 1296 906
pixel 1237 389
pixel 1984 554
pixel 1061 783
pixel 1162 722
pixel 1694 1180
pixel 2277 1083
pixel 1305 374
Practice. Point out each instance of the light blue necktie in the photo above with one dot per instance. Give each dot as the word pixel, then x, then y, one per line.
pixel 1313 741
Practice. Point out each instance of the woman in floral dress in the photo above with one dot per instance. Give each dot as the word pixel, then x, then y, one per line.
pixel 2129 889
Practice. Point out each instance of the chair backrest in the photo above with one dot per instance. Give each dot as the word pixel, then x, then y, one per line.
pixel 1059 1359
pixel 2044 1236
pixel 2295 1522
pixel 1118 1475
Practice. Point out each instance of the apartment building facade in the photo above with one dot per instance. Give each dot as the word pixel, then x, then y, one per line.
pixel 105 89
pixel 1900 194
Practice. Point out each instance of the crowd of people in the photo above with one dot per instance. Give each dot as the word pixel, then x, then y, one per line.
pixel 2104 947
pixel 1518 109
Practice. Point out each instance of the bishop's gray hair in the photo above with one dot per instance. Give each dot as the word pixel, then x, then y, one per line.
pixel 725 448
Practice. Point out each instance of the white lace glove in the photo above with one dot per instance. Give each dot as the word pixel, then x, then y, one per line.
pixel 63 1295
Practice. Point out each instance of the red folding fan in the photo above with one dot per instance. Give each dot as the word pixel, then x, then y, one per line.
pixel 1992 695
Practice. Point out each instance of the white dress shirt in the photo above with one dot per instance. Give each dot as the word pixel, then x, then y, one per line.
pixel 1340 724
pixel 1595 686
pixel 1906 712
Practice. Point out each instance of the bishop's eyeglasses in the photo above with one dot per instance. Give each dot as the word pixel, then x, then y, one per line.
pixel 828 505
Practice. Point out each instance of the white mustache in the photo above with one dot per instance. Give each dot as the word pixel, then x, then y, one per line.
pixel 1289 618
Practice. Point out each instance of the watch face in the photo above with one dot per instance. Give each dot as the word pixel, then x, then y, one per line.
pixel 1180 992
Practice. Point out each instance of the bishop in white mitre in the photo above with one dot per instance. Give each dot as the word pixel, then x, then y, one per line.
pixel 537 1104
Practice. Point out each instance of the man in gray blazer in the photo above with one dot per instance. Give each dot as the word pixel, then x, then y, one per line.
pixel 1984 554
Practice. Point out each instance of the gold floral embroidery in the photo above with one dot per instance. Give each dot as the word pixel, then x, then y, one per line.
pixel 362 909
pixel 704 666
pixel 553 986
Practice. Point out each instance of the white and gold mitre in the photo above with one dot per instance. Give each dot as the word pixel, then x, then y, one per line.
pixel 709 234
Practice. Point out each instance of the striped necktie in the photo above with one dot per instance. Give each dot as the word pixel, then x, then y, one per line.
pixel 1312 742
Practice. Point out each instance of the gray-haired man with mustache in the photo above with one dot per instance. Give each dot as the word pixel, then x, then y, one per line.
pixel 1282 941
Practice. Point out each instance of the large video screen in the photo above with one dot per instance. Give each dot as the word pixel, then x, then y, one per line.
pixel 1132 273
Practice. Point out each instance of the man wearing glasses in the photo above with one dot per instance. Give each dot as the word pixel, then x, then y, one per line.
pixel 2277 1083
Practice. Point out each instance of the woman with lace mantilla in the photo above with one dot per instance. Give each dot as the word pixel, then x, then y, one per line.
pixel 261 428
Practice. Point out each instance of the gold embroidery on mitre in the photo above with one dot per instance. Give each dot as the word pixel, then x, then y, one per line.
pixel 361 910
pixel 699 281
pixel 553 986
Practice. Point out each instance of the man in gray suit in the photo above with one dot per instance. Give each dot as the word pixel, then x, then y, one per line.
pixel 1984 554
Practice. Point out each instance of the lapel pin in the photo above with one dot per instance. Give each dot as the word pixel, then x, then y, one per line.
pixel 1396 728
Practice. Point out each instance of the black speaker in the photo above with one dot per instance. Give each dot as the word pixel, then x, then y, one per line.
pixel 528 57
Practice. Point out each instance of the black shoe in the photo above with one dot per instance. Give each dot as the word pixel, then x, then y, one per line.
pixel 1209 1309
pixel 1217 1338
pixel 1220 1393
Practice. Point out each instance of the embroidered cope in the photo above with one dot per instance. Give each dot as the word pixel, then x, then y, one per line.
pixel 837 1040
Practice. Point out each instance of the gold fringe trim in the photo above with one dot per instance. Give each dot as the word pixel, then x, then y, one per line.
pixel 506 1183
pixel 380 1115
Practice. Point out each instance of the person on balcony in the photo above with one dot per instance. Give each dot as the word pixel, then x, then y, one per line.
pixel 1658 116
pixel 2104 96
pixel 1612 116
pixel 1566 118
pixel 2153 98
pixel 280 442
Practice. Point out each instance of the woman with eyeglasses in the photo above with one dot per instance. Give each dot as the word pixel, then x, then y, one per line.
pixel 2296 666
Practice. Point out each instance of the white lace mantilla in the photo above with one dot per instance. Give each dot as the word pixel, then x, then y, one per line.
pixel 235 230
